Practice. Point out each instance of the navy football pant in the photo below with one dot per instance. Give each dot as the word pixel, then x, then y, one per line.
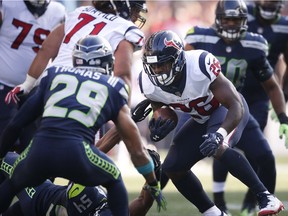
pixel 258 152
pixel 184 153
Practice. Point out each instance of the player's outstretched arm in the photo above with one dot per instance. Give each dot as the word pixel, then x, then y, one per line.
pixel 112 137
pixel 129 133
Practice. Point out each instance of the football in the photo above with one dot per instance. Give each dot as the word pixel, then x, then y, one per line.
pixel 165 112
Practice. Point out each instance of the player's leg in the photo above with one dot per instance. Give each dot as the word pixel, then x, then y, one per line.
pixel 261 155
pixel 103 171
pixel 220 170
pixel 220 174
pixel 241 169
pixel 182 155
pixel 14 210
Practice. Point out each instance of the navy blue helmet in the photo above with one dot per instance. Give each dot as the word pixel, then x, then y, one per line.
pixel 161 48
pixel 95 53
pixel 235 10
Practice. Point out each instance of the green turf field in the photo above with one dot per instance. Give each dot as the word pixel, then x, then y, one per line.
pixel 179 206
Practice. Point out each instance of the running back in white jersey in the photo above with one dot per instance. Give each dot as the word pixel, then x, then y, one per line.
pixel 21 36
pixel 87 20
pixel 202 68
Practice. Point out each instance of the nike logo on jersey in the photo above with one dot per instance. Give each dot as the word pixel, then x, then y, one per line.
pixel 75 190
pixel 209 61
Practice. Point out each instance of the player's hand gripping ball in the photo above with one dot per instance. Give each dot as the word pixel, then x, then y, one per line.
pixel 163 121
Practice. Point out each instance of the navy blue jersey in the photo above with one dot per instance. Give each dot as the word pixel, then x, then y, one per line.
pixel 47 197
pixel 35 201
pixel 74 102
pixel 276 35
pixel 238 59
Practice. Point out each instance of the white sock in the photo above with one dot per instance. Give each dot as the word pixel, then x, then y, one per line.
pixel 218 187
pixel 212 211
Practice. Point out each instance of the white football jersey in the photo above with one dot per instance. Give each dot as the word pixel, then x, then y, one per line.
pixel 89 21
pixel 21 35
pixel 202 68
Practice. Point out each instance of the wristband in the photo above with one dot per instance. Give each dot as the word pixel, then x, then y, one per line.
pixel 222 131
pixel 283 119
pixel 29 82
pixel 147 168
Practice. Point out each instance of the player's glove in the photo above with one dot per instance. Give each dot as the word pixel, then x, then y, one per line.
pixel 157 163
pixel 160 128
pixel 141 111
pixel 283 130
pixel 13 95
pixel 155 191
pixel 20 90
pixel 211 143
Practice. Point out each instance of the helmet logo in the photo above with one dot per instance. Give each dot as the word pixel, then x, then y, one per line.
pixel 171 43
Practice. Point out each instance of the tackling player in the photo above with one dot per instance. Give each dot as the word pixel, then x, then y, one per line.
pixel 74 102
pixel 54 200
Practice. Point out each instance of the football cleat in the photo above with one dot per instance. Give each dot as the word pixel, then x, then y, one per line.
pixel 269 205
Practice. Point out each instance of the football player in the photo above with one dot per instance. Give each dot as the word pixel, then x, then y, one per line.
pixel 241 53
pixel 74 102
pixel 265 18
pixel 24 25
pixel 54 200
pixel 192 82
pixel 113 20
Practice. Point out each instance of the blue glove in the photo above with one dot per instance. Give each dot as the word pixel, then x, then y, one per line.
pixel 160 128
pixel 156 193
pixel 211 143
pixel 140 111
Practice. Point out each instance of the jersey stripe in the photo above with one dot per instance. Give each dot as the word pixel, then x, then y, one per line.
pixel 202 64
pixel 280 28
pixel 112 81
pixel 201 38
pixel 255 45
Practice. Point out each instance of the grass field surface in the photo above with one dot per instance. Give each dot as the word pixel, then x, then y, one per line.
pixel 235 190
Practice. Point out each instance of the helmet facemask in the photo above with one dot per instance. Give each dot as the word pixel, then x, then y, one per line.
pixel 138 12
pixel 163 78
pixel 95 54
pixel 228 11
pixel 231 32
pixel 269 10
pixel 129 10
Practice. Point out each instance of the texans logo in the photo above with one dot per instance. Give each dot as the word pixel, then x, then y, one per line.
pixel 171 43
